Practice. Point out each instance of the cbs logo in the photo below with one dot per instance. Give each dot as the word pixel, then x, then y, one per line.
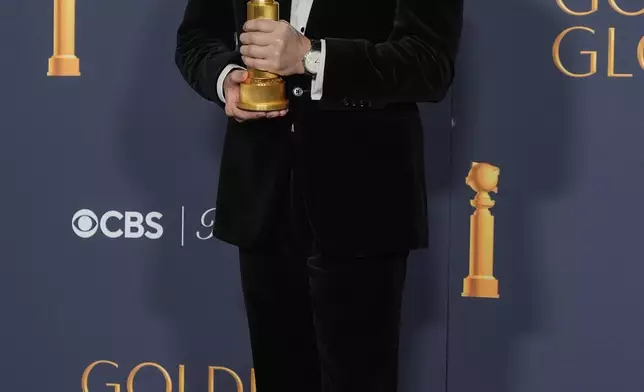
pixel 114 224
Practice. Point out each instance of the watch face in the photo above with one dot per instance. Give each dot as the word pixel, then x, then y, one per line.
pixel 312 62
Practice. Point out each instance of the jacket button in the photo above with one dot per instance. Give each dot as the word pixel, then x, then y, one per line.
pixel 297 91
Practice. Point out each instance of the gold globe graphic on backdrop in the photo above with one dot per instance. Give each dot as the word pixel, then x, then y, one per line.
pixel 483 179
pixel 64 62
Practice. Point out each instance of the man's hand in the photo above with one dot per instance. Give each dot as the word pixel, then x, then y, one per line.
pixel 273 46
pixel 231 93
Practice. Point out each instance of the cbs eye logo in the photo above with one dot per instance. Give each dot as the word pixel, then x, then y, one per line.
pixel 131 224
pixel 85 223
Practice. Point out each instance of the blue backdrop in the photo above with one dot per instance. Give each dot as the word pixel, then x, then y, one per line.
pixel 131 143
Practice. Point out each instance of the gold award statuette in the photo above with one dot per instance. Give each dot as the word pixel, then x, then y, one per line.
pixel 482 178
pixel 262 91
pixel 64 61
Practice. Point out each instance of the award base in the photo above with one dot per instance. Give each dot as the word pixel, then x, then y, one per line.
pixel 480 287
pixel 64 65
pixel 262 95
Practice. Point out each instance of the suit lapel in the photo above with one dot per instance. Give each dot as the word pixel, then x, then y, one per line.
pixel 239 11
pixel 314 19
pixel 285 9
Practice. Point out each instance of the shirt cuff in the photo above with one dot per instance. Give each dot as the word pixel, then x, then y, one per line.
pixel 222 76
pixel 318 79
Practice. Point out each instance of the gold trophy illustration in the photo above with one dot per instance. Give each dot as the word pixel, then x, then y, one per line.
pixel 262 91
pixel 64 61
pixel 483 179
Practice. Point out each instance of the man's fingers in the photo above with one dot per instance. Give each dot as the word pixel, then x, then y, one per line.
pixel 263 25
pixel 255 38
pixel 255 51
pixel 242 115
pixel 238 75
pixel 246 115
pixel 262 64
pixel 228 110
pixel 277 113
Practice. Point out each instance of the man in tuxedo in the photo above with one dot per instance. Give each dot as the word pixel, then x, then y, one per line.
pixel 324 200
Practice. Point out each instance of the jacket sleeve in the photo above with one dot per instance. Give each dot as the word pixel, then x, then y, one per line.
pixel 415 64
pixel 206 45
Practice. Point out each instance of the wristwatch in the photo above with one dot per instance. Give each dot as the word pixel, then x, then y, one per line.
pixel 311 60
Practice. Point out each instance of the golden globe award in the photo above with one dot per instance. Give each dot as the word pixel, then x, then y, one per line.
pixel 262 91
pixel 64 61
pixel 483 179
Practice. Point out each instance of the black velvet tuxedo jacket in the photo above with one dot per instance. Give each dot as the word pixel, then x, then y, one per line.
pixel 359 150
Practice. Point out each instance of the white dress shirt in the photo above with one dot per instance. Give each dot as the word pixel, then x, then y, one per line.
pixel 300 10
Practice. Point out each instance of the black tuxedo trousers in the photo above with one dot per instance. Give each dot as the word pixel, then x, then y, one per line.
pixel 320 321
